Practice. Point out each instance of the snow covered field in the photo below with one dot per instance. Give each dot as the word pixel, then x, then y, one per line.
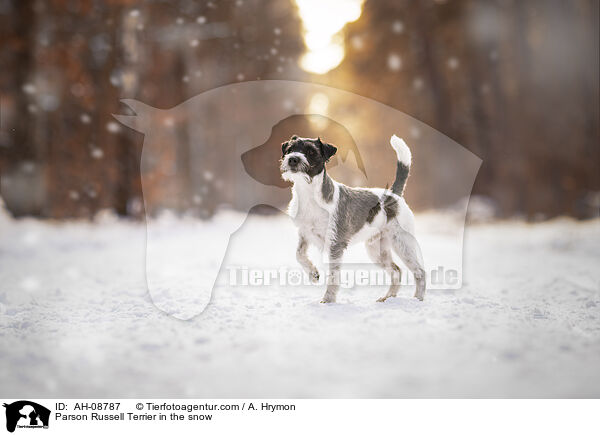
pixel 76 320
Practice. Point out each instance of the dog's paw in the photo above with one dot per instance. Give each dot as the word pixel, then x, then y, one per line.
pixel 419 296
pixel 327 300
pixel 314 276
pixel 382 299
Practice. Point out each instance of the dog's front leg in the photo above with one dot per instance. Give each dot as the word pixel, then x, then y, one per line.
pixel 302 257
pixel 336 252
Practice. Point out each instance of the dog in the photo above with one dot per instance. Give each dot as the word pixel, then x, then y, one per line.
pixel 333 216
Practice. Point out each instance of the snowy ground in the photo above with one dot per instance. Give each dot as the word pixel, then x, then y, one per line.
pixel 76 320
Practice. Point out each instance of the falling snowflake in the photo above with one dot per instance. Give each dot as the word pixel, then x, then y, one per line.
pixel 113 127
pixel 97 153
pixel 394 62
pixel 288 104
pixel 134 13
pixel 415 132
pixel 85 118
pixel 453 63
pixel 194 43
pixel 397 26
pixel 91 192
pixel 418 83
pixel 49 102
pixel 29 88
pixel 240 77
pixel 201 19
pixel 77 89
pixel 115 78
pixel 357 42
pixel 277 31
pixel 135 206
pixel 28 167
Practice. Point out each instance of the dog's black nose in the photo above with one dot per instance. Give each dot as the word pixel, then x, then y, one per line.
pixel 293 161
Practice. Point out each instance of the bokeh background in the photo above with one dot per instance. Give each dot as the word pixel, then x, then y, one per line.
pixel 516 83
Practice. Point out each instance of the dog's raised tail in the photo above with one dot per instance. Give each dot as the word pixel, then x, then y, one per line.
pixel 403 165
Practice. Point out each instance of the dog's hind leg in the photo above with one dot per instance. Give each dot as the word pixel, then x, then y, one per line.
pixel 379 251
pixel 408 249
pixel 302 257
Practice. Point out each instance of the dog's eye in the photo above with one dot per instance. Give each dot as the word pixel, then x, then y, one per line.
pixel 311 152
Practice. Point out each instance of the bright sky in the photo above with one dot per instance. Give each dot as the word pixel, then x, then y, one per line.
pixel 322 21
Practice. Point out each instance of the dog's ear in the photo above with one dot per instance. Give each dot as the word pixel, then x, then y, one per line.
pixel 327 150
pixel 284 147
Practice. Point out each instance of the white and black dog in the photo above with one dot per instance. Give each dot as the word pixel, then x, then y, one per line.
pixel 333 216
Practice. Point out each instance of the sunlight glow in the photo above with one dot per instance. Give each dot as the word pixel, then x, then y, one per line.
pixel 322 21
pixel 318 105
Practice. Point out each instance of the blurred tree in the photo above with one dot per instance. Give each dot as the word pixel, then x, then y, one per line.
pixel 66 65
pixel 515 82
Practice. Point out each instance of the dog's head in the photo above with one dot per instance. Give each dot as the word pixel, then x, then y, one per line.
pixel 304 157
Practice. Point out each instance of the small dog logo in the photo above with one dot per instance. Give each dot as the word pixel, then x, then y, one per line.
pixel 26 414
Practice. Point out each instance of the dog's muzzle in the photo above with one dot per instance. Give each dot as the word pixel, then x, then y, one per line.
pixel 294 162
